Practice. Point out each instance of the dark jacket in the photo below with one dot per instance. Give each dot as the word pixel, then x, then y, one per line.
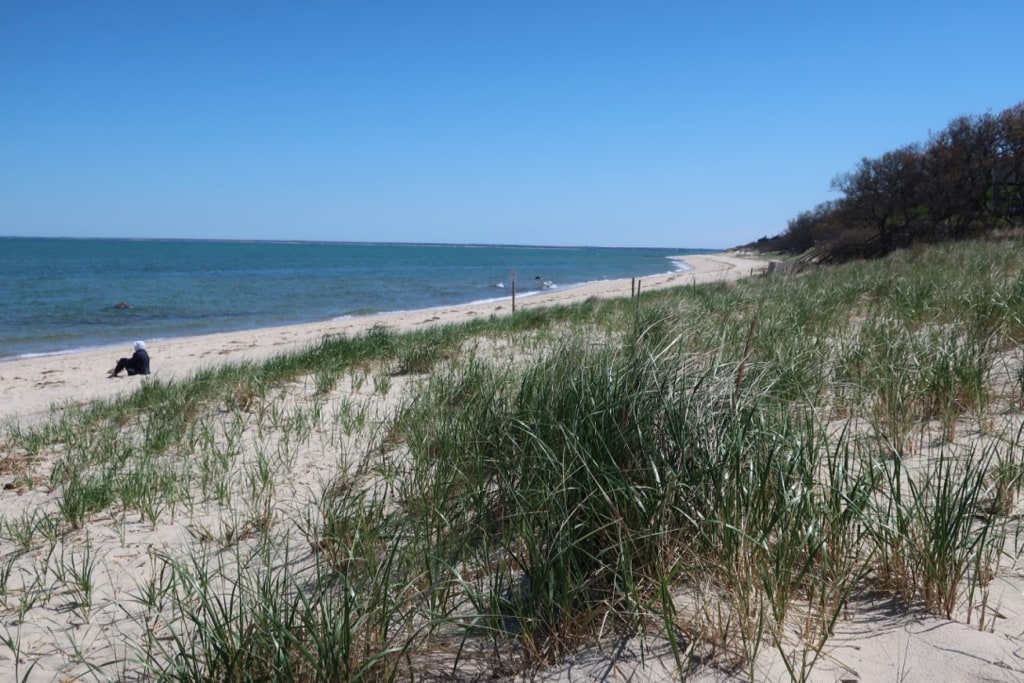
pixel 138 364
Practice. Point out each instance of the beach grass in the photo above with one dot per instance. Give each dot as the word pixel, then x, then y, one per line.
pixel 724 468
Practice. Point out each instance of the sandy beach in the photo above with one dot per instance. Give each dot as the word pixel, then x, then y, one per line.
pixel 31 385
pixel 873 643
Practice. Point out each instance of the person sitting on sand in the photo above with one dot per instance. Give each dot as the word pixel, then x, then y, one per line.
pixel 138 364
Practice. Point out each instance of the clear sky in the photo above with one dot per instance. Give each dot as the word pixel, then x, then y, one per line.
pixel 612 123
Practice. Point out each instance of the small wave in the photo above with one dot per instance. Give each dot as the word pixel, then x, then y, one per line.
pixel 357 313
pixel 63 352
pixel 681 265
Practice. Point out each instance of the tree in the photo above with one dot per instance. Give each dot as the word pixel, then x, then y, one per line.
pixel 883 194
pixel 807 229
pixel 969 177
pixel 1008 180
pixel 959 167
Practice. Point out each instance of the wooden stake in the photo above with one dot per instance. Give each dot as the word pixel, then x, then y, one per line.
pixel 512 275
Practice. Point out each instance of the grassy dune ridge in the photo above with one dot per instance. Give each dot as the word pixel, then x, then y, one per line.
pixel 726 470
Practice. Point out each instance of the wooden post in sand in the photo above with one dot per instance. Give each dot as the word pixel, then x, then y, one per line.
pixel 513 273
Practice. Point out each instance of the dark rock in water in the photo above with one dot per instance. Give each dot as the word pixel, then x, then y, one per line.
pixel 121 304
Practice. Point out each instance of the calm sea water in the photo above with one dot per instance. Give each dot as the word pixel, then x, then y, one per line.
pixel 62 295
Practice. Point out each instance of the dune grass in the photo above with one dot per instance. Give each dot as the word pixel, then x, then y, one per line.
pixel 725 468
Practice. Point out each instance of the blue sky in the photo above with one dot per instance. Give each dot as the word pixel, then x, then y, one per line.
pixel 639 123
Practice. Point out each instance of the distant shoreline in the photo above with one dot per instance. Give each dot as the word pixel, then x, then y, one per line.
pixel 67 296
pixel 224 240
pixel 681 261
pixel 29 386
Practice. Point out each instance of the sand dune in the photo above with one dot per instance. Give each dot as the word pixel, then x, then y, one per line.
pixel 875 642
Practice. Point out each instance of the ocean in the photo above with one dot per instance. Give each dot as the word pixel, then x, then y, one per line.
pixel 64 295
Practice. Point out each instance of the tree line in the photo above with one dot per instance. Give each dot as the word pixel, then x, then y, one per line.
pixel 966 180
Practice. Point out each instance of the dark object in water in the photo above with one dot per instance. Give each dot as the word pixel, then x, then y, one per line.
pixel 121 304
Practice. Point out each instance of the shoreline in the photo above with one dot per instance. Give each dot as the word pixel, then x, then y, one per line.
pixel 206 287
pixel 497 301
pixel 32 384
